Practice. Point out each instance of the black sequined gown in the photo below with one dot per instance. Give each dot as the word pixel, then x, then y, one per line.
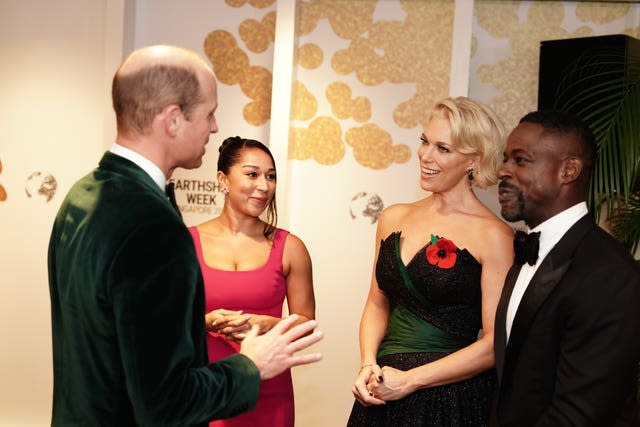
pixel 434 312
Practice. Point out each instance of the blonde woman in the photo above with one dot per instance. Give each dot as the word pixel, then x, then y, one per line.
pixel 438 274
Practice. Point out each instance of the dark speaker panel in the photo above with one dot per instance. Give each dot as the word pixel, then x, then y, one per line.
pixel 561 61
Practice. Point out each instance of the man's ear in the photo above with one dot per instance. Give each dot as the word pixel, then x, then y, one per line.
pixel 172 118
pixel 571 169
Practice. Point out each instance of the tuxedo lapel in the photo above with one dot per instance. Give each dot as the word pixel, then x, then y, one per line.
pixel 547 277
pixel 542 284
pixel 500 325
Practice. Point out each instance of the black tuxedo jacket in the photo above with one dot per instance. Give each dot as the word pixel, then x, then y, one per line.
pixel 572 356
pixel 127 310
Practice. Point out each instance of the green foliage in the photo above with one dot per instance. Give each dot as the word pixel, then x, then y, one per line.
pixel 603 88
pixel 625 222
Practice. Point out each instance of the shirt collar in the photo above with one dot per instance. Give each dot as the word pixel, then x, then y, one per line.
pixel 552 230
pixel 145 164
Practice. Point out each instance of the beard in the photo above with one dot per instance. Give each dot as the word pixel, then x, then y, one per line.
pixel 512 204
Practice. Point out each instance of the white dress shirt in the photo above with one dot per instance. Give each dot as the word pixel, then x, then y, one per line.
pixel 145 164
pixel 551 231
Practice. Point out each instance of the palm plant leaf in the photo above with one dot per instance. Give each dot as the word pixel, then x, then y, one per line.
pixel 624 222
pixel 603 88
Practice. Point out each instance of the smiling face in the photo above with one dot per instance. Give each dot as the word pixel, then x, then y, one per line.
pixel 251 182
pixel 441 166
pixel 531 176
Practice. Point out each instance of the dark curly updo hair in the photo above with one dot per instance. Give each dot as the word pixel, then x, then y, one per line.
pixel 229 154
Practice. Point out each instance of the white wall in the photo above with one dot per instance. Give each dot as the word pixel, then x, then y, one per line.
pixel 53 115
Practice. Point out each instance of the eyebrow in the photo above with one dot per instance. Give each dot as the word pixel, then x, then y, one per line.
pixel 516 151
pixel 423 136
pixel 437 142
pixel 257 167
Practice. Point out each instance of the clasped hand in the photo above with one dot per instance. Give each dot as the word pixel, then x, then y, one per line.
pixel 233 324
pixel 376 385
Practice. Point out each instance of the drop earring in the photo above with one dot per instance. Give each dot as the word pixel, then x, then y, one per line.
pixel 225 191
pixel 469 171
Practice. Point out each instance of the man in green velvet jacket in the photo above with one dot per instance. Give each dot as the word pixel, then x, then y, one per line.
pixel 127 296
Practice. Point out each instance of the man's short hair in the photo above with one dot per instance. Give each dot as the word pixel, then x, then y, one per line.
pixel 141 95
pixel 563 123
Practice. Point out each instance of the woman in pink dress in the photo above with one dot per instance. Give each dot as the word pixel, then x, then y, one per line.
pixel 250 266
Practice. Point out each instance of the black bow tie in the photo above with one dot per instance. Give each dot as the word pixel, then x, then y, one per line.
pixel 526 247
pixel 171 195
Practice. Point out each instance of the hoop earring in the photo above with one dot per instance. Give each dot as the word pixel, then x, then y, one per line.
pixel 469 171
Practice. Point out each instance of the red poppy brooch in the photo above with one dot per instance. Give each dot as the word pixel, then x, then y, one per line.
pixel 441 252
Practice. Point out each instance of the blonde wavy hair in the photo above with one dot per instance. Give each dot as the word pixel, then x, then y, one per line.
pixel 475 129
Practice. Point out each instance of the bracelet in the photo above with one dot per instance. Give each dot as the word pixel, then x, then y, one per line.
pixel 364 365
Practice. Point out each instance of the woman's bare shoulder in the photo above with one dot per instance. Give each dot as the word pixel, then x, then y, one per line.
pixel 393 216
pixel 489 235
pixel 490 226
pixel 294 242
pixel 395 210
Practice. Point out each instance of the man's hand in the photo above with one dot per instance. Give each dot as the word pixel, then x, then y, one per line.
pixel 274 351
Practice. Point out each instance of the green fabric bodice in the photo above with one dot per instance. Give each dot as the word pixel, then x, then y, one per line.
pixel 408 331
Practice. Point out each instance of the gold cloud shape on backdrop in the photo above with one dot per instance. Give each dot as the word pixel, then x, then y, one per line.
pixel 229 61
pixel 382 51
pixel 348 19
pixel 258 36
pixel 601 13
pixel 3 192
pixel 373 147
pixel 304 105
pixel 258 4
pixel 516 77
pixel 309 56
pixel 231 66
pixel 405 52
pixel 321 141
pixel 343 107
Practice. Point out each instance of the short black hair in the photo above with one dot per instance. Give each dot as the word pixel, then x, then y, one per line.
pixel 562 122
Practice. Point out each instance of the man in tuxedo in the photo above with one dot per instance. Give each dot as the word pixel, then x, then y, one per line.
pixel 127 296
pixel 567 330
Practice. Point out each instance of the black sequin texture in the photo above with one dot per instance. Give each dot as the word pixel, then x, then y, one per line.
pixel 453 304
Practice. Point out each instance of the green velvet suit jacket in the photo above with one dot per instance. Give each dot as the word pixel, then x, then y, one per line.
pixel 127 303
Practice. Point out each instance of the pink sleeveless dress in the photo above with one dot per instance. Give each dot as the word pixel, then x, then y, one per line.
pixel 259 291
